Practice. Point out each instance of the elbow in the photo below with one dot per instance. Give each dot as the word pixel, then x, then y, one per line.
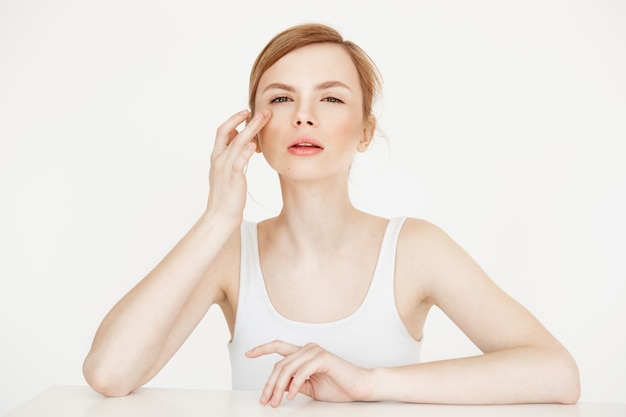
pixel 569 392
pixel 571 386
pixel 566 381
pixel 104 380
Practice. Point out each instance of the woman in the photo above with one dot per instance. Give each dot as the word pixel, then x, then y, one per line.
pixel 324 299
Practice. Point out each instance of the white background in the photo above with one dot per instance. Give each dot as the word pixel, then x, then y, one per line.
pixel 505 124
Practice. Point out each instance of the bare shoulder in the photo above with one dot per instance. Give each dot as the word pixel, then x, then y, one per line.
pixel 419 236
pixel 419 241
pixel 427 253
pixel 419 229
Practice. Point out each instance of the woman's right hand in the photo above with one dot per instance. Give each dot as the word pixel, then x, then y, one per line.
pixel 231 153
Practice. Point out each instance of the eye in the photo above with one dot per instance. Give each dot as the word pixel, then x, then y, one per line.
pixel 332 100
pixel 280 99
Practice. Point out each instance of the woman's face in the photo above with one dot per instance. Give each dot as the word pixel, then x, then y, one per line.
pixel 317 122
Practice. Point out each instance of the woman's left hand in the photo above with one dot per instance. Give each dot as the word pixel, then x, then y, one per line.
pixel 312 371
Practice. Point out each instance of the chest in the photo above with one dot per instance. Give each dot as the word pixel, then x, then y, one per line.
pixel 318 289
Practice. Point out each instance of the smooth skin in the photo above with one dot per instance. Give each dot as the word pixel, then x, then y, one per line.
pixel 321 247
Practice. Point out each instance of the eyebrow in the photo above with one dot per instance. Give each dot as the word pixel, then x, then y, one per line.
pixel 291 89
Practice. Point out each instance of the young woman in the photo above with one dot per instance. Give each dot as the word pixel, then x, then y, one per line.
pixel 324 299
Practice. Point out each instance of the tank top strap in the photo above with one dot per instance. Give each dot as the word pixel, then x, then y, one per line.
pixel 250 279
pixel 383 279
pixel 248 236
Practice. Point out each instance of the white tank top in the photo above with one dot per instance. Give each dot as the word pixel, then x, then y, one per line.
pixel 372 336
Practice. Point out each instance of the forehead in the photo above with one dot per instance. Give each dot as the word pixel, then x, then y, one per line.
pixel 313 63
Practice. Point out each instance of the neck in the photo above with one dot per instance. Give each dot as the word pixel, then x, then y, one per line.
pixel 316 213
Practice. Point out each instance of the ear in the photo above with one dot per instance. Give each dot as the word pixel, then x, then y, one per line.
pixel 256 141
pixel 368 133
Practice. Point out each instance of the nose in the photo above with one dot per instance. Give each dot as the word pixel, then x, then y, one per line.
pixel 304 116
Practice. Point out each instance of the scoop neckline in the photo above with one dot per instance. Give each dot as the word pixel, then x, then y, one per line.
pixel 373 283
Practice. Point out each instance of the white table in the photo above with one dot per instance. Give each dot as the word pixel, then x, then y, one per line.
pixel 81 401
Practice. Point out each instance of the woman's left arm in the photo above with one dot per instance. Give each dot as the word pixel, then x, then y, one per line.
pixel 521 361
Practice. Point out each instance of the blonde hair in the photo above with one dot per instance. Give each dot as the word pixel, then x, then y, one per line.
pixel 311 33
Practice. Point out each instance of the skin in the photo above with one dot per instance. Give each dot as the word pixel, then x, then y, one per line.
pixel 320 245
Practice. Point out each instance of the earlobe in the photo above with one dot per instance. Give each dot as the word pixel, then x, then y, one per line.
pixel 363 145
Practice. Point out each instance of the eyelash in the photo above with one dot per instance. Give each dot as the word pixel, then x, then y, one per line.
pixel 279 99
pixel 285 99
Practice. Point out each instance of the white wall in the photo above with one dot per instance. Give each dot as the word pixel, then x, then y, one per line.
pixel 506 124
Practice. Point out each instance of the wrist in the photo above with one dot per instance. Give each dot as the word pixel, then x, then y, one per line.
pixel 375 384
pixel 215 227
pixel 210 220
pixel 390 384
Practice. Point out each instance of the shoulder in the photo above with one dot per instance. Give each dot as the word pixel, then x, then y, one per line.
pixel 420 233
pixel 425 241
pixel 416 244
pixel 427 253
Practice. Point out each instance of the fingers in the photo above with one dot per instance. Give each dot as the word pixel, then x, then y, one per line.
pixel 300 381
pixel 292 373
pixel 228 130
pixel 277 346
pixel 228 136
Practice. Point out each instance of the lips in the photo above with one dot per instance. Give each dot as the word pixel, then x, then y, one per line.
pixel 304 143
pixel 305 146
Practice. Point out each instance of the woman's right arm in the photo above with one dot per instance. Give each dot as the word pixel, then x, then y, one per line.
pixel 150 323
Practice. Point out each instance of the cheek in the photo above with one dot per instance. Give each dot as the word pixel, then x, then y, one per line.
pixel 271 130
pixel 348 128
